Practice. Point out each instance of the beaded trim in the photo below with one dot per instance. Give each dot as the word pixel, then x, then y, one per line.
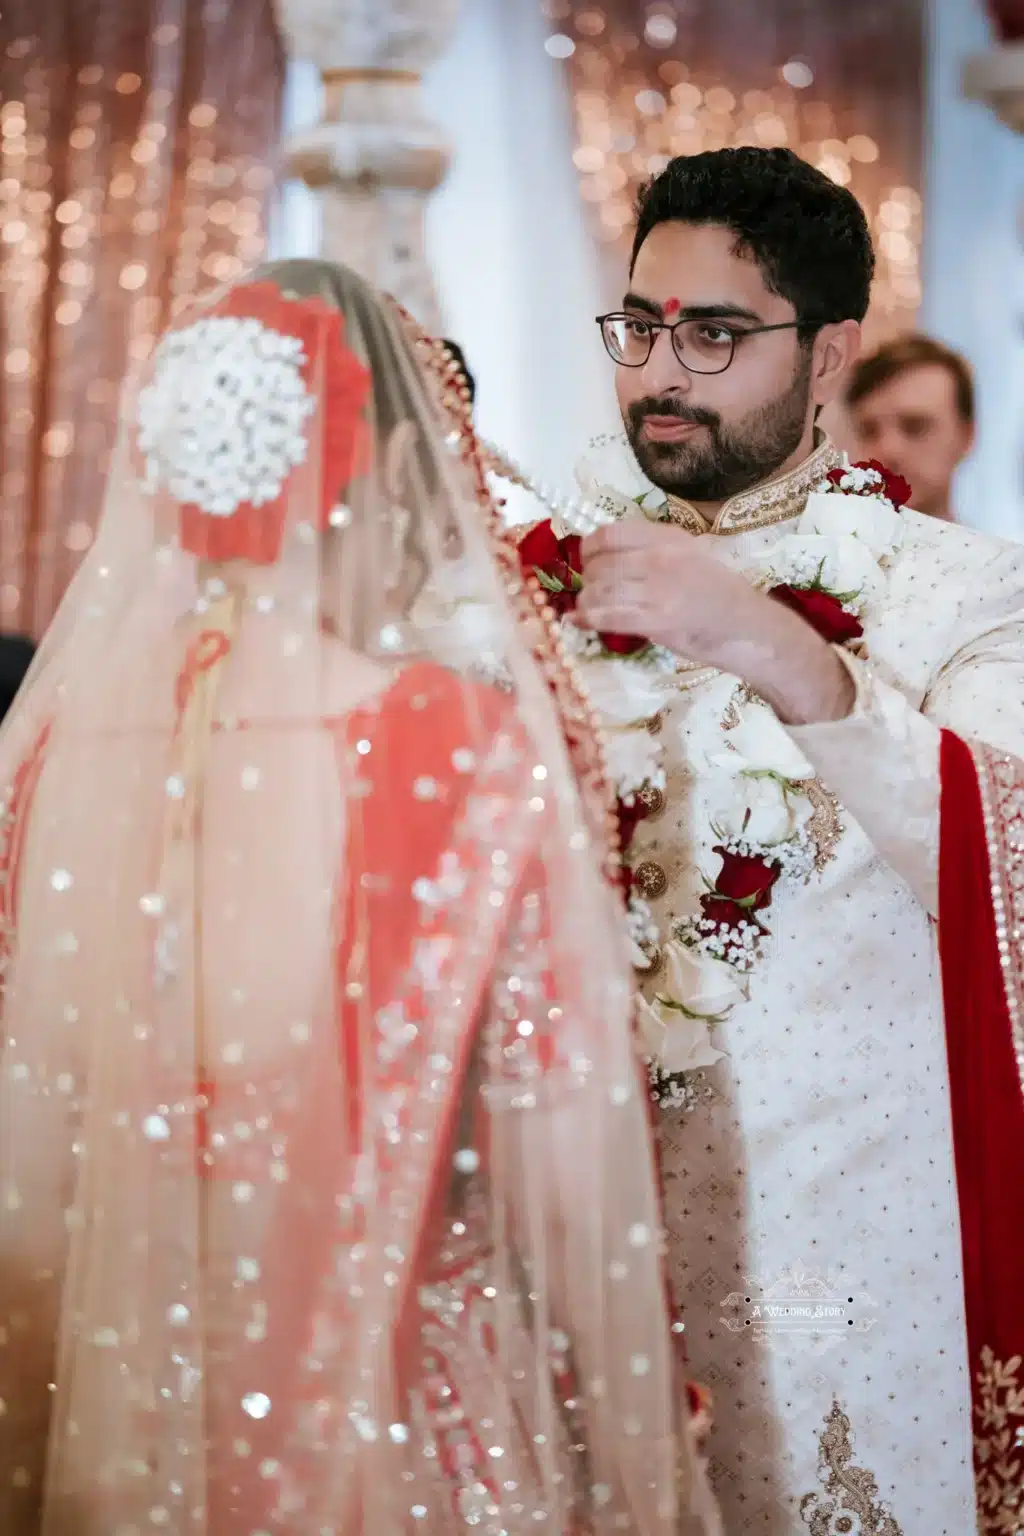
pixel 571 512
pixel 580 726
pixel 1001 781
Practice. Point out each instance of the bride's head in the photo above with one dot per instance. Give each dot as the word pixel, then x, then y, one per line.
pixel 294 449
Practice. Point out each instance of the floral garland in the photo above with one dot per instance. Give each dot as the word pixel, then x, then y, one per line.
pixel 830 571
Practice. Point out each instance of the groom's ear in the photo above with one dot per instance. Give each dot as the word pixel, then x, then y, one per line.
pixel 836 349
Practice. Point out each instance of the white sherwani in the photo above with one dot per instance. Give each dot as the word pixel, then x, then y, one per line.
pixel 815 1172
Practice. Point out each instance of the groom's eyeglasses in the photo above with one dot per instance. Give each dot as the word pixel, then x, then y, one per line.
pixel 702 346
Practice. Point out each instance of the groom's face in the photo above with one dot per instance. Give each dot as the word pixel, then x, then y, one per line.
pixel 708 436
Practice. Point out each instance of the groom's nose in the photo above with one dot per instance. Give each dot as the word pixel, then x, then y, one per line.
pixel 663 372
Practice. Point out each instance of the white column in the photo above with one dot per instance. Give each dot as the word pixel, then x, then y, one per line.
pixel 974 262
pixel 516 265
pixel 375 157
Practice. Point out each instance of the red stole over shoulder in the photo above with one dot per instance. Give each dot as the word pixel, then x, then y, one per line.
pixel 981 943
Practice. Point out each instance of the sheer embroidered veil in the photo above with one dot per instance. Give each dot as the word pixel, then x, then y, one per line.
pixel 228 1158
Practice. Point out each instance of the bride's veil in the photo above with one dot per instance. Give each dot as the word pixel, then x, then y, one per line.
pixel 218 1128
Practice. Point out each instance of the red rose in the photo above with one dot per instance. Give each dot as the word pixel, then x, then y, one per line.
pixel 746 877
pixel 571 550
pixel 725 913
pixel 623 645
pixel 557 563
pixel 822 611
pixel 539 547
pixel 893 486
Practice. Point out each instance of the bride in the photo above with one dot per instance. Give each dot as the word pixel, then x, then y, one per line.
pixel 327 1203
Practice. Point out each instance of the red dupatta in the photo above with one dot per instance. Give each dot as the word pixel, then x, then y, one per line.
pixel 981 942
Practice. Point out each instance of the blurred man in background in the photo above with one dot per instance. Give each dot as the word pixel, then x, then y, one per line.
pixel 912 407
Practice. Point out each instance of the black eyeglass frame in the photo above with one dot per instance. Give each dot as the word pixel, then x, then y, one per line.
pixel 673 327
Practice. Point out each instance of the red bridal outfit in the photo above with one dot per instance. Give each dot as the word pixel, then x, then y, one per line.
pixel 327 1197
pixel 981 941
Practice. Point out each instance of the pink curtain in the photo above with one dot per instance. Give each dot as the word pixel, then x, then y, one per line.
pixel 840 83
pixel 137 142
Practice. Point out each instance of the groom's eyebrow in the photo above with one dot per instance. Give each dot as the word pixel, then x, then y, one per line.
pixel 722 311
pixel 645 306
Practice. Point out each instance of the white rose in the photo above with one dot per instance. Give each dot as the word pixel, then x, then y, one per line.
pixel 871 519
pixel 675 1042
pixel 761 811
pixel 703 985
pixel 633 759
pixel 680 1041
pixel 838 561
pixel 623 692
pixel 761 741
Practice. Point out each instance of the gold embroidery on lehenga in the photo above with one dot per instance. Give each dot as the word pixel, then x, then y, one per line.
pixel 999 1445
pixel 850 1505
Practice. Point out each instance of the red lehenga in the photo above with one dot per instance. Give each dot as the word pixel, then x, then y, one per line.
pixel 327 1193
pixel 981 936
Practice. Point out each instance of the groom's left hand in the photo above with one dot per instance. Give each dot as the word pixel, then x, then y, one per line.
pixel 655 580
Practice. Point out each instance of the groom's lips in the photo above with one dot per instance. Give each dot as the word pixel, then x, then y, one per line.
pixel 668 429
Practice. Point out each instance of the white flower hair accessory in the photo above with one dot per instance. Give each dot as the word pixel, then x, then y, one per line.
pixel 221 424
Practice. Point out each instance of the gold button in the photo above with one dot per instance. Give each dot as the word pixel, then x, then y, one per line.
pixel 653 802
pixel 650 880
pixel 657 961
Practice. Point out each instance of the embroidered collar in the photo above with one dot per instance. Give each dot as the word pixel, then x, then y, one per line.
pixel 773 502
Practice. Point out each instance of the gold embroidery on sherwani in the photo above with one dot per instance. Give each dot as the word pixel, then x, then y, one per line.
pixel 998 1436
pixel 764 505
pixel 825 827
pixel 1003 801
pixel 850 1505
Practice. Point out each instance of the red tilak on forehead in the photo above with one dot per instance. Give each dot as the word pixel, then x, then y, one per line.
pixel 672 306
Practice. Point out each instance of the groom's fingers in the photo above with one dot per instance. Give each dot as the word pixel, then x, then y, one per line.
pixel 631 535
pixel 612 592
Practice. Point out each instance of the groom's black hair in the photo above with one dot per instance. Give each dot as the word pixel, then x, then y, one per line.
pixel 808 235
pixel 460 357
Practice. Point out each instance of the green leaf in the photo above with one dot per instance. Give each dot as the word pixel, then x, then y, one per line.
pixel 549 583
pixel 786 785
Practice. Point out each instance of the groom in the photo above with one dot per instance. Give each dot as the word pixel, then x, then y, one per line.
pixel 789 855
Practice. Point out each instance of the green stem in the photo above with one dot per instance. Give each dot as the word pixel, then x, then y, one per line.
pixel 687 1013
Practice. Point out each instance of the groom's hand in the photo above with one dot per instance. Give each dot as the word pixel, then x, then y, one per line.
pixel 651 579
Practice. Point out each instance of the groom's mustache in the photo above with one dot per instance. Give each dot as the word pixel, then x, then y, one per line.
pixel 693 415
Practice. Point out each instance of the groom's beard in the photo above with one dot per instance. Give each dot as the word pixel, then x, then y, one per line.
pixel 731 459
